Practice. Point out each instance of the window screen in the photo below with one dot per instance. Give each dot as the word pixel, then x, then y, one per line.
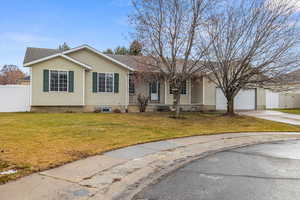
pixel 105 82
pixel 131 84
pixel 183 89
pixel 53 80
pixel 58 81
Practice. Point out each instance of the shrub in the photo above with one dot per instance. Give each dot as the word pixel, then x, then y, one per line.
pixel 117 110
pixel 97 110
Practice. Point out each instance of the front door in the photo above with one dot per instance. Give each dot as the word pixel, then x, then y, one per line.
pixel 154 91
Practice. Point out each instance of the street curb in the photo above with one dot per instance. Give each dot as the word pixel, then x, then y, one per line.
pixel 154 178
pixel 123 173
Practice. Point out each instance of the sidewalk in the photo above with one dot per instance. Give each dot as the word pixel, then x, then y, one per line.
pixel 121 173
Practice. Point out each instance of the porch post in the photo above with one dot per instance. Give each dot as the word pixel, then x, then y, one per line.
pixel 190 90
pixel 166 91
pixel 127 91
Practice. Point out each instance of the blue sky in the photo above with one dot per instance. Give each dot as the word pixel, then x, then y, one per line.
pixel 47 23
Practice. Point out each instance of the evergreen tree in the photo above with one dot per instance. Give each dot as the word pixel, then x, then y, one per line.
pixel 108 51
pixel 121 50
pixel 63 47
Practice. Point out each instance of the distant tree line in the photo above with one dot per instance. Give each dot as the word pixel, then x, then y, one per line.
pixel 64 47
pixel 134 49
pixel 10 74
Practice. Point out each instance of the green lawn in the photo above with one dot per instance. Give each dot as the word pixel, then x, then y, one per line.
pixel 290 111
pixel 31 142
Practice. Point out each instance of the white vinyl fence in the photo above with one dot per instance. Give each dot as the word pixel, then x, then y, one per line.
pixel 289 100
pixel 14 98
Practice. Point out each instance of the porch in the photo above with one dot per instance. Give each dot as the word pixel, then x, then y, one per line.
pixel 160 94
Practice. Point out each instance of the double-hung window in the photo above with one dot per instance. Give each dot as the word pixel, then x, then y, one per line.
pixel 183 89
pixel 58 81
pixel 105 82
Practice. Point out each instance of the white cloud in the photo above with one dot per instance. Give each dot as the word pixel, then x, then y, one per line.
pixel 24 37
pixel 13 45
pixel 295 3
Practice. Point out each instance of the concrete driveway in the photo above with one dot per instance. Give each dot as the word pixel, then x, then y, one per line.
pixel 275 116
pixel 264 172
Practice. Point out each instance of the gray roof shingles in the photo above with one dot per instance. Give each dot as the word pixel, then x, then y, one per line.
pixel 138 63
pixel 33 53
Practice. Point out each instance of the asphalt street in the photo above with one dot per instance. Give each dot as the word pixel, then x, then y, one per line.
pixel 260 172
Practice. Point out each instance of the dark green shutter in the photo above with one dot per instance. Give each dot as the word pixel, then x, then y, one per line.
pixel 46 80
pixel 71 81
pixel 95 81
pixel 116 83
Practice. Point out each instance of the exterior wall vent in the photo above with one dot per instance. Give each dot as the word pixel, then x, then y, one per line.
pixel 106 109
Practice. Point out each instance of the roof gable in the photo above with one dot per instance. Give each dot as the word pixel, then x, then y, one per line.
pixel 36 55
pixel 59 55
pixel 100 54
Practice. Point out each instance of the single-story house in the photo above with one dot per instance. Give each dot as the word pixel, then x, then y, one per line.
pixel 84 79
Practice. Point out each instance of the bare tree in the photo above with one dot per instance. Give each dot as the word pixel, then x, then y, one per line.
pixel 9 74
pixel 170 32
pixel 135 48
pixel 253 42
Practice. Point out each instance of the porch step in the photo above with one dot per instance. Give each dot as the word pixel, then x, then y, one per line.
pixel 163 108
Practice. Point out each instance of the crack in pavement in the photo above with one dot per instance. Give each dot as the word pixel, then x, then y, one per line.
pixel 66 180
pixel 241 175
pixel 260 155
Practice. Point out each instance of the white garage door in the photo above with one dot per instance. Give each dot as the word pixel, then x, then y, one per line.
pixel 272 99
pixel 245 100
pixel 15 98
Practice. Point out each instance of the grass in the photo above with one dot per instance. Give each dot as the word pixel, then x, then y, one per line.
pixel 31 142
pixel 290 111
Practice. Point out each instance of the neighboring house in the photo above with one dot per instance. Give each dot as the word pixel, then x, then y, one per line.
pixel 24 81
pixel 286 94
pixel 84 79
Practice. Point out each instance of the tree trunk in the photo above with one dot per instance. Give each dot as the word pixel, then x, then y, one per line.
pixel 230 106
pixel 176 101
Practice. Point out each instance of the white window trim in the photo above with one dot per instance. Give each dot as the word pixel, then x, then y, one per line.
pixel 187 92
pixel 58 70
pixel 113 82
pixel 157 90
